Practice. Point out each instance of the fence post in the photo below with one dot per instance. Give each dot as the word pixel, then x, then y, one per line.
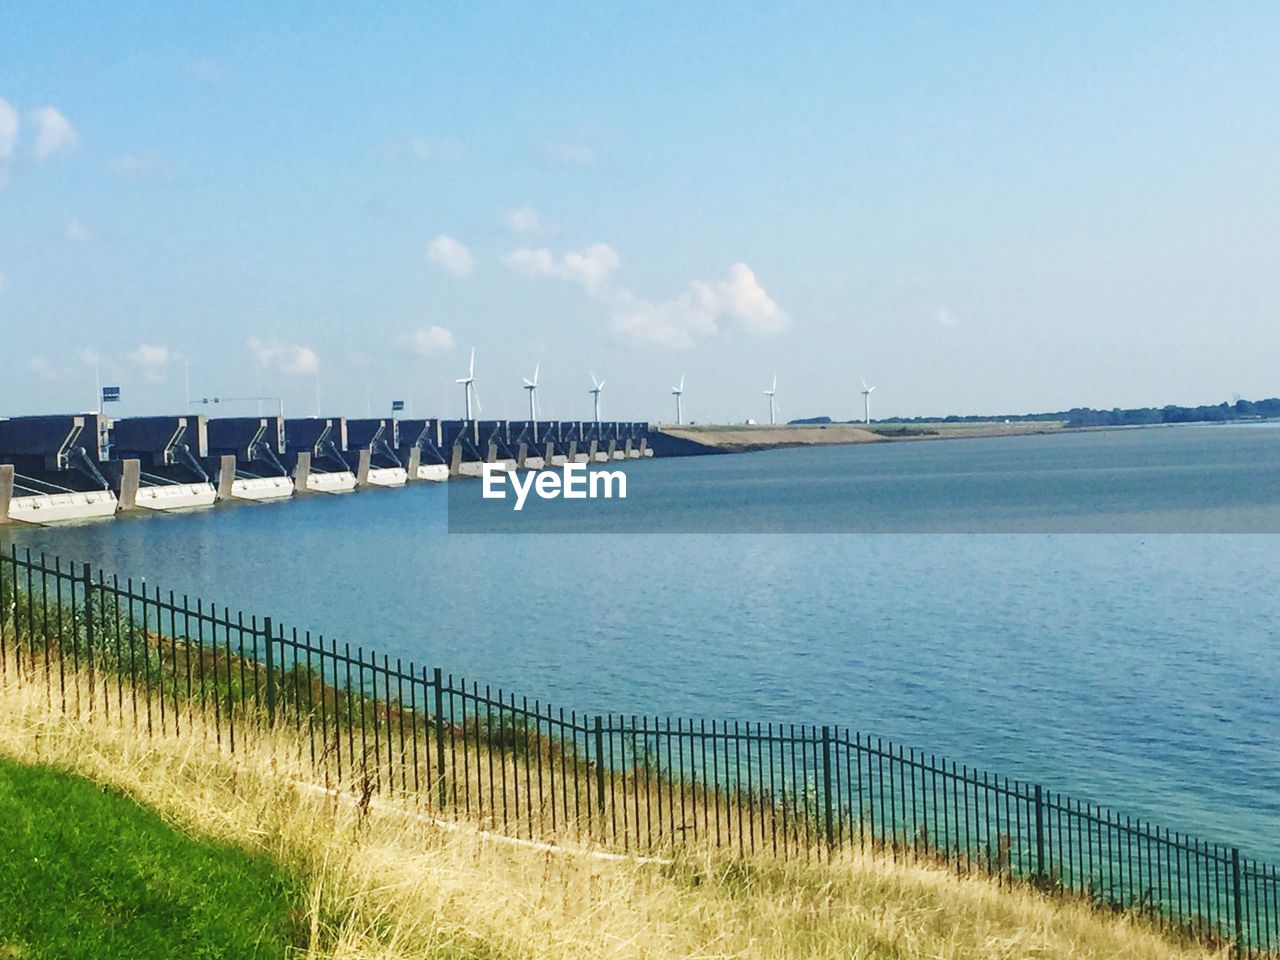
pixel 88 632
pixel 437 680
pixel 1041 877
pixel 826 787
pixel 600 767
pixel 1236 900
pixel 271 673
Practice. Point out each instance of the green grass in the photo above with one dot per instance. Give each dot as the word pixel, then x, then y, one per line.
pixel 85 872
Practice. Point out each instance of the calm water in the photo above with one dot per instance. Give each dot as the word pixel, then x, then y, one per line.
pixel 1138 670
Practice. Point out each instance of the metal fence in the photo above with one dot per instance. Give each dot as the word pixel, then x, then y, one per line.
pixel 646 784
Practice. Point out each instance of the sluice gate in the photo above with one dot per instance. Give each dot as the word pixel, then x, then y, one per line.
pixel 461 438
pixel 523 441
pixel 423 451
pixel 316 451
pixel 244 458
pixel 375 443
pixel 157 463
pixel 53 469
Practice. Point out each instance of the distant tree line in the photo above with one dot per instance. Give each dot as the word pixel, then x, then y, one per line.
pixel 1117 417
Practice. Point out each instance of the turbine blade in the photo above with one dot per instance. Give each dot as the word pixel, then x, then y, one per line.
pixel 475 397
pixel 471 368
pixel 536 368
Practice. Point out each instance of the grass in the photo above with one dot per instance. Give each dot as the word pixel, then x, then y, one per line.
pixel 87 872
pixel 378 880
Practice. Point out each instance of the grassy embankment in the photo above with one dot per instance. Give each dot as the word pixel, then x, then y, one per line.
pixel 85 871
pixel 372 878
pixel 746 437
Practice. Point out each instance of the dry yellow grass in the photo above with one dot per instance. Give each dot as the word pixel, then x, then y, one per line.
pixel 386 883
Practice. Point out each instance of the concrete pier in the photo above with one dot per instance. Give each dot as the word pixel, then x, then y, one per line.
pixel 6 492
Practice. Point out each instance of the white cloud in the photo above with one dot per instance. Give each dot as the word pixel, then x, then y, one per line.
pixel 676 324
pixel 589 268
pixel 738 300
pixel 946 317
pixel 429 341
pixel 77 232
pixel 524 220
pixel 208 70
pixel 90 357
pixel 4 282
pixel 139 166
pixel 569 154
pixel 288 358
pixel 451 255
pixel 154 360
pixel 9 124
pixel 54 133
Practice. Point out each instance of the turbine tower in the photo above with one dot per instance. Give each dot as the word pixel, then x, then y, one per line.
pixel 678 392
pixel 770 394
pixel 532 387
pixel 596 388
pixel 866 402
pixel 468 382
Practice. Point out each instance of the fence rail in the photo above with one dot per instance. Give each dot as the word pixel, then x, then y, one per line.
pixel 635 783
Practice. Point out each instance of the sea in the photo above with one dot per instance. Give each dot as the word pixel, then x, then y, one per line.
pixel 1096 612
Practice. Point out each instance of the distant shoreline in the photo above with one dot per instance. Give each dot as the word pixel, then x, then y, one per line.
pixel 747 438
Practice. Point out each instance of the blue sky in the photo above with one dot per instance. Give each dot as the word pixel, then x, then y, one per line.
pixel 981 208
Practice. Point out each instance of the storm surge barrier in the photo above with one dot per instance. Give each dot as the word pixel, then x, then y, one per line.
pixel 132 653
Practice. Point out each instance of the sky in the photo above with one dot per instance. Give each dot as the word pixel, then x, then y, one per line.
pixel 980 208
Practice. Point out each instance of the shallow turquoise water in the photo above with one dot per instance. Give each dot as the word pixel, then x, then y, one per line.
pixel 1138 670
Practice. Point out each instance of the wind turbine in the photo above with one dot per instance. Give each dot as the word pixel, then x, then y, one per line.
pixel 596 388
pixel 532 387
pixel 469 386
pixel 678 392
pixel 866 402
pixel 770 394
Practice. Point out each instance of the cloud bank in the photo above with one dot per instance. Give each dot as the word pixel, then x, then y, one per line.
pixel 288 358
pixel 154 360
pixel 736 302
pixel 432 340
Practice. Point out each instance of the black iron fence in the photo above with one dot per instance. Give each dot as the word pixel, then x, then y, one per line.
pixel 162 661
